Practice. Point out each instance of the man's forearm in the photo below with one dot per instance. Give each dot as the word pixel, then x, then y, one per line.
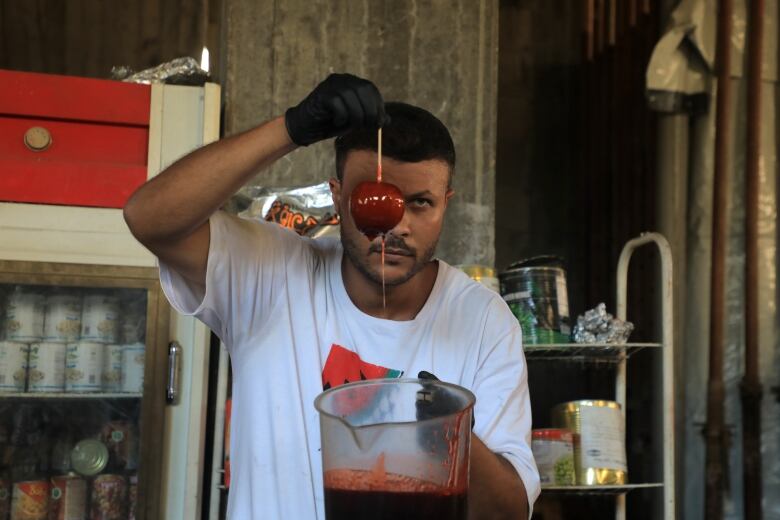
pixel 185 195
pixel 495 489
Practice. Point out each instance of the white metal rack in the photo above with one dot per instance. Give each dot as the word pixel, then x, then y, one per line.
pixel 618 355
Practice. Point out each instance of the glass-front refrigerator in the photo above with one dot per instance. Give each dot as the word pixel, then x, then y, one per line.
pixel 83 362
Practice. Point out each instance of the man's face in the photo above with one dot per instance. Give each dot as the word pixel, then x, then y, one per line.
pixel 411 244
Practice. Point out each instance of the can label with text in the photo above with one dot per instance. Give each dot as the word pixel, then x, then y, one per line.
pixel 13 366
pixel 109 497
pixel 99 318
pixel 24 316
pixel 84 367
pixel 68 498
pixel 30 500
pixel 46 372
pixel 133 368
pixel 62 322
pixel 112 370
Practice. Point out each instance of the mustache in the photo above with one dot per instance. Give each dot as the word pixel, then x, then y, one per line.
pixel 393 243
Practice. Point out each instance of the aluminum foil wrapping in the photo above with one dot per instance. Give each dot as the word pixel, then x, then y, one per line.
pixel 599 326
pixel 307 210
pixel 181 71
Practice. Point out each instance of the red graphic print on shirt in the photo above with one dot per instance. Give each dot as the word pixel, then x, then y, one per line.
pixel 344 366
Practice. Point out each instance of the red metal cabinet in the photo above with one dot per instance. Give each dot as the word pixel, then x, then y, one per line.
pixel 72 141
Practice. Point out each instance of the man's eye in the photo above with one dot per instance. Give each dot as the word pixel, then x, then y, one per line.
pixel 421 203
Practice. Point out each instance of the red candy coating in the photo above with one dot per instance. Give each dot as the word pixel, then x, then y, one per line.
pixel 376 207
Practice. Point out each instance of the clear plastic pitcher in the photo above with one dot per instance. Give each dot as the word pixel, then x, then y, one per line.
pixel 395 449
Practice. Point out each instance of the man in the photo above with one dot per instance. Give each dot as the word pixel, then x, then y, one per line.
pixel 299 315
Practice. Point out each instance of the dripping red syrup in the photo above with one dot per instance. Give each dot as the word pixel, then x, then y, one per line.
pixel 377 207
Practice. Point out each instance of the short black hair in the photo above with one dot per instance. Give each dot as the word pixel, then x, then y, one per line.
pixel 412 135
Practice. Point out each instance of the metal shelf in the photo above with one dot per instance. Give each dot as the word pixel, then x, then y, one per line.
pixel 598 490
pixel 64 395
pixel 585 352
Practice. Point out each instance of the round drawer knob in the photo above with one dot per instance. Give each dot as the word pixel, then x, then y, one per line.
pixel 37 139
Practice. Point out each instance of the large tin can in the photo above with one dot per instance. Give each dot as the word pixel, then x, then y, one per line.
pixel 30 500
pixel 109 497
pixel 46 369
pixel 62 323
pixel 5 496
pixel 482 274
pixel 538 297
pixel 24 316
pixel 68 498
pixel 600 454
pixel 112 368
pixel 99 318
pixel 133 323
pixel 121 439
pixel 132 497
pixel 13 366
pixel 133 368
pixel 84 367
pixel 89 457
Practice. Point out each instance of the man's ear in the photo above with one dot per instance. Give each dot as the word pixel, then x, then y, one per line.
pixel 335 193
pixel 448 196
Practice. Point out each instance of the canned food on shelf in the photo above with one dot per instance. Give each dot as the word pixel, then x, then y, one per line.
pixel 109 497
pixel 539 299
pixel 553 450
pixel 46 368
pixel 89 457
pixel 30 500
pixel 13 366
pixel 600 454
pixel 112 370
pixel 133 368
pixel 62 322
pixel 24 316
pixel 121 439
pixel 133 322
pixel 482 274
pixel 84 367
pixel 68 498
pixel 99 318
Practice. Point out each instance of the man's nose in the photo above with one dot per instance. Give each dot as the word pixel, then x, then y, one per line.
pixel 403 228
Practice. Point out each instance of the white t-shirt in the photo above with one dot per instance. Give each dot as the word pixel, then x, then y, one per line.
pixel 279 304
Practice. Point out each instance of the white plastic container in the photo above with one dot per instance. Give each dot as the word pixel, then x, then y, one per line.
pixel 13 366
pixel 84 367
pixel 24 316
pixel 46 368
pixel 99 318
pixel 112 369
pixel 133 368
pixel 62 323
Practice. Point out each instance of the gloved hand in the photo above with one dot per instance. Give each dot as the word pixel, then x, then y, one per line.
pixel 342 102
pixel 433 402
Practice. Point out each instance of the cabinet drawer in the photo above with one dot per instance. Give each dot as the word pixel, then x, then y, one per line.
pixel 72 141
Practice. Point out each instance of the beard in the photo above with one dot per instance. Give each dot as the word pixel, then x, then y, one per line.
pixel 359 259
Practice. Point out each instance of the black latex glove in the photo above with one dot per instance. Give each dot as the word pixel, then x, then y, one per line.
pixel 433 403
pixel 341 103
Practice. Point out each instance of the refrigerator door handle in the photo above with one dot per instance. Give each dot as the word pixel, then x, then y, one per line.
pixel 174 368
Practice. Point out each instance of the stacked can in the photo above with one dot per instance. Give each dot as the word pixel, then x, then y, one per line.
pixel 133 368
pixel 24 316
pixel 30 500
pixel 13 366
pixel 68 499
pixel 538 297
pixel 46 368
pixel 112 369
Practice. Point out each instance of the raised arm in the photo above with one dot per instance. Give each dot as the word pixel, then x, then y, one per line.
pixel 169 214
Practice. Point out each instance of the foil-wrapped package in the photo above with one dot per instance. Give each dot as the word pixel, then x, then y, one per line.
pixel 308 210
pixel 181 71
pixel 599 326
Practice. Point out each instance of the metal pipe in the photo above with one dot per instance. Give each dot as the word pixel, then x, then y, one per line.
pixel 715 391
pixel 751 384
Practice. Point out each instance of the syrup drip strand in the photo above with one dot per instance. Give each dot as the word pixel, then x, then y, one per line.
pixel 384 298
pixel 379 179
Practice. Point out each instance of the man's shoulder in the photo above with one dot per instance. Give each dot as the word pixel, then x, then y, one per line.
pixel 462 291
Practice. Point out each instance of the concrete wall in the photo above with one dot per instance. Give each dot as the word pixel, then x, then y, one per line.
pixel 438 54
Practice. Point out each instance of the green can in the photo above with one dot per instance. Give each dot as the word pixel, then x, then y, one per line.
pixel 89 457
